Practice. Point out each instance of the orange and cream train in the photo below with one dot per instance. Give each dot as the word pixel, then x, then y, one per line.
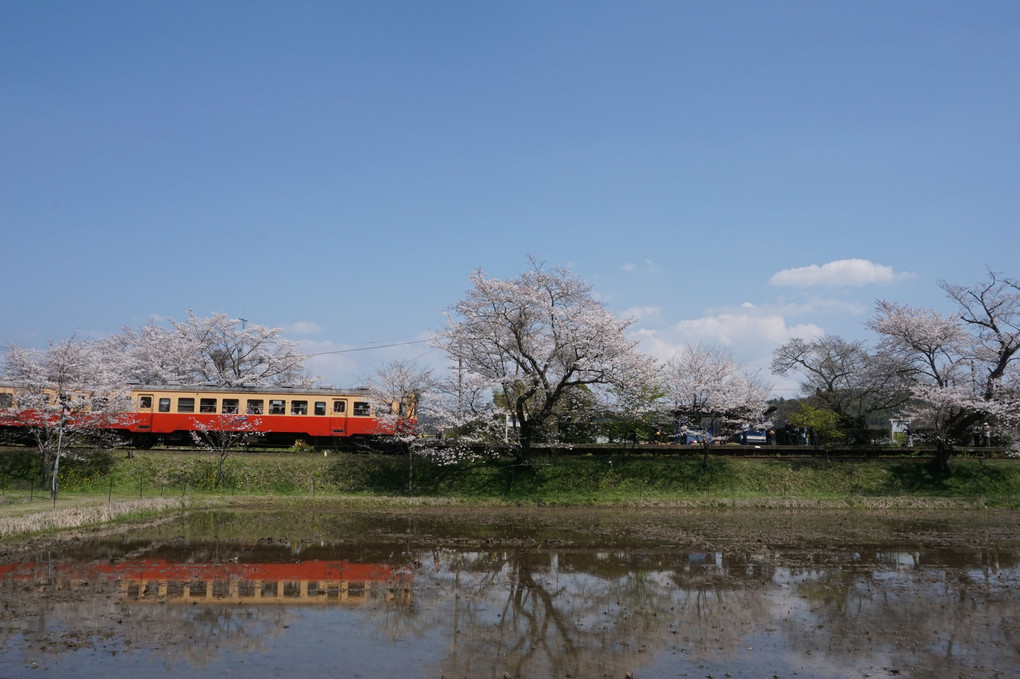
pixel 281 415
pixel 162 581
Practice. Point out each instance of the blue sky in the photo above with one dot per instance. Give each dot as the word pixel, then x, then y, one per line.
pixel 728 172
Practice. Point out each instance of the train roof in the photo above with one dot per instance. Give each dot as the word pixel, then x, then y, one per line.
pixel 251 389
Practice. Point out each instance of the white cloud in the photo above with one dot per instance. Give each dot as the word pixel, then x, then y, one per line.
pixel 643 313
pixel 821 306
pixel 732 329
pixel 840 273
pixel 751 333
pixel 302 328
pixel 647 265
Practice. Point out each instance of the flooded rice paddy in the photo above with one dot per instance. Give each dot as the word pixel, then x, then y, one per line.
pixel 437 592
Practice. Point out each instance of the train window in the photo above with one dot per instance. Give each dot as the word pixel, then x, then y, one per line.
pixel 403 410
pixel 207 405
pixel 320 407
pixel 339 406
pixel 255 406
pixel 6 401
pixel 362 408
pixel 277 406
pixel 145 402
pixel 231 406
pixel 299 407
pixel 185 405
pixel 164 405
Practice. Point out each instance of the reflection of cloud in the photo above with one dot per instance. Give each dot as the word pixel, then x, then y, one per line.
pixel 843 272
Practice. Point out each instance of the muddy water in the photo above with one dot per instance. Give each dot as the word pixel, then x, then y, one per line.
pixel 433 592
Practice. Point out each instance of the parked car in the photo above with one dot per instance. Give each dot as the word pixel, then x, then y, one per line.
pixel 752 437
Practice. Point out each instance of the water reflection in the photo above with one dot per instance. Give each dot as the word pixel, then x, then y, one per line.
pixel 407 599
pixel 162 581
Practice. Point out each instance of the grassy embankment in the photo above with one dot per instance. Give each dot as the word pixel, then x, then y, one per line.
pixel 622 480
pixel 157 482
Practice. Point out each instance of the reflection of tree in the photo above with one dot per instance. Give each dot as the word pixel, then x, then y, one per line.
pixel 535 613
pixel 720 603
pixel 934 620
pixel 213 629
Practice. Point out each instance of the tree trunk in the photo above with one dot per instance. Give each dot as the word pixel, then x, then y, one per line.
pixel 943 452
pixel 525 433
pixel 222 455
pixel 47 466
pixel 410 467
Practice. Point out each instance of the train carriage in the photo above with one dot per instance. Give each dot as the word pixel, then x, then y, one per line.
pixel 280 415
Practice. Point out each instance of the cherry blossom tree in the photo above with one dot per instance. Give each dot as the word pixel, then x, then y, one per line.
pixel 214 350
pixel 961 367
pixel 224 433
pixel 461 420
pixel 710 394
pixel 403 383
pixel 991 312
pixel 536 338
pixel 154 354
pixel 931 347
pixel 439 419
pixel 64 399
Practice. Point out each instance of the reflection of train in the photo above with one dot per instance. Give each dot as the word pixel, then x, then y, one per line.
pixel 161 581
pixel 165 413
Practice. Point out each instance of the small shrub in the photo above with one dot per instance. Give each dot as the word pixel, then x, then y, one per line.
pixel 367 472
pixel 23 464
pixel 82 468
pixel 302 446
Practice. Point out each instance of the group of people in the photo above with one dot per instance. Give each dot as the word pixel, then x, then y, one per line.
pixel 982 435
pixel 789 435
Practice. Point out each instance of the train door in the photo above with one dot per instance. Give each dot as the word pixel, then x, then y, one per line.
pixel 142 419
pixel 144 407
pixel 338 417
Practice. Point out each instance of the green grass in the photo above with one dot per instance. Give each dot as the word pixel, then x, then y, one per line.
pixel 553 480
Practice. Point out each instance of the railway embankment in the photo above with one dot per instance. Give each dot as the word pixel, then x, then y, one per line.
pixel 627 478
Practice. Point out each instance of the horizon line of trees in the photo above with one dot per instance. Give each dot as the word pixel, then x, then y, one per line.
pixel 537 355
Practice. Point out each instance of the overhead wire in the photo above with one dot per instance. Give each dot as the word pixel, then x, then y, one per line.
pixel 376 346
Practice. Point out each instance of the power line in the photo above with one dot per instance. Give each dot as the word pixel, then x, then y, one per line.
pixel 377 346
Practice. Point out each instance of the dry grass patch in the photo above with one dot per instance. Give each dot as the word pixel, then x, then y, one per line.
pixel 84 516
